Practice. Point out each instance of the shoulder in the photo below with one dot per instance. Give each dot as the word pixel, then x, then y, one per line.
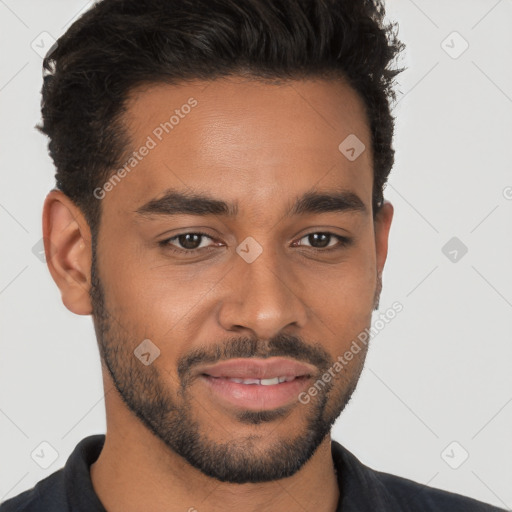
pixel 48 495
pixel 415 496
pixel 364 488
pixel 69 488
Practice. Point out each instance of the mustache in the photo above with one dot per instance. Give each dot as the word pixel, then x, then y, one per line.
pixel 282 345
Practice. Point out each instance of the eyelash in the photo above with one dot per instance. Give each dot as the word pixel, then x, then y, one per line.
pixel 343 242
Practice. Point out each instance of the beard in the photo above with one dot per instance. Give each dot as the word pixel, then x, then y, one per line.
pixel 169 413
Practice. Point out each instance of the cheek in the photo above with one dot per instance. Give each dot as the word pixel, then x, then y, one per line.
pixel 128 298
pixel 351 283
pixel 345 292
pixel 152 298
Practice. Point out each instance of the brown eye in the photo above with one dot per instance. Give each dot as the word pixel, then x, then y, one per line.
pixel 190 240
pixel 319 240
pixel 186 242
pixel 322 240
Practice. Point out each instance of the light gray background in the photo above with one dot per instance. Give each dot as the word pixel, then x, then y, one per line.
pixel 438 373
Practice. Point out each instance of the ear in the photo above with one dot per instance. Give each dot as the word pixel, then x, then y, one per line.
pixel 382 225
pixel 67 246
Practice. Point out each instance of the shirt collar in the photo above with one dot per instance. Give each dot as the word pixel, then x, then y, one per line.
pixel 77 477
pixel 360 489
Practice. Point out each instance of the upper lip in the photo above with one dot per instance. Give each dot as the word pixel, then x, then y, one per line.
pixel 251 368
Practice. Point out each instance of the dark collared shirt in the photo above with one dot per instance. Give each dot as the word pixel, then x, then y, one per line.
pixel 362 489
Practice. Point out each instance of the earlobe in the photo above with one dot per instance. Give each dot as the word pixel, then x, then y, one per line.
pixel 67 244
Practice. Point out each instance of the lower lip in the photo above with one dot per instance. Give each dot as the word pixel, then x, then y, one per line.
pixel 256 397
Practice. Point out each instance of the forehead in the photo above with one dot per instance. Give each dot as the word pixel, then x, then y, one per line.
pixel 247 142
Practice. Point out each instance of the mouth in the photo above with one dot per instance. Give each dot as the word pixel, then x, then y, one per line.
pixel 261 382
pixel 263 370
pixel 256 384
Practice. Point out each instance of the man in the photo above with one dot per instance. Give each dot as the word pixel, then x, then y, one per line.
pixel 219 212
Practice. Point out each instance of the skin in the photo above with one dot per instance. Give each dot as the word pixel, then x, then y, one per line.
pixel 262 146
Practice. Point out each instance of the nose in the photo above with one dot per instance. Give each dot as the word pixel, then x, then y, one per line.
pixel 262 297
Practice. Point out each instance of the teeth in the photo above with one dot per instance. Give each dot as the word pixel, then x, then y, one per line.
pixel 263 382
pixel 248 381
pixel 269 382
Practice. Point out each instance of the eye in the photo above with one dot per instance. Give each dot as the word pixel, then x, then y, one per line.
pixel 192 242
pixel 322 241
pixel 186 242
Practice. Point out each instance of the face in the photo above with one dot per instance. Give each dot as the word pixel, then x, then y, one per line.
pixel 242 244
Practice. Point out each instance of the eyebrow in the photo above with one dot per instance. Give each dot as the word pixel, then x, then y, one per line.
pixel 175 202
